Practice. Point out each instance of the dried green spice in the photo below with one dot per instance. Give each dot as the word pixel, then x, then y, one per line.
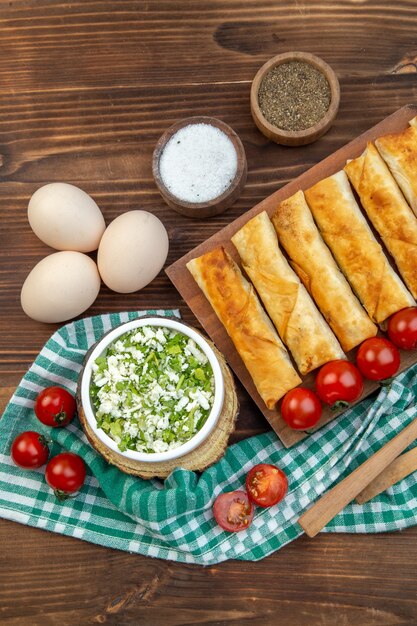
pixel 294 95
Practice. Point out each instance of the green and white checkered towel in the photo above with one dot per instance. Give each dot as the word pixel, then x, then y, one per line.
pixel 173 520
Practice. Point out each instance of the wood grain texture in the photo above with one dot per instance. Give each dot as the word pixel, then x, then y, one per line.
pixel 87 88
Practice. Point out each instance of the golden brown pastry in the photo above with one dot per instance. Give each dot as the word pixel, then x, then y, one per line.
pixel 293 312
pixel 399 151
pixel 314 264
pixel 357 252
pixel 237 306
pixel 388 211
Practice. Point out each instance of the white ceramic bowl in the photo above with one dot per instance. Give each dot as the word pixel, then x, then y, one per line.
pixel 214 414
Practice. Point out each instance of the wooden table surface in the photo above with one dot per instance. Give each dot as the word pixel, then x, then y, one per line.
pixel 87 87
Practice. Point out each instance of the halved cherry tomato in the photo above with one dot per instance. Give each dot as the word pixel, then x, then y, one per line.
pixel 233 511
pixel 339 381
pixel 266 484
pixel 29 450
pixel 301 408
pixel 54 407
pixel 65 473
pixel 378 358
pixel 402 329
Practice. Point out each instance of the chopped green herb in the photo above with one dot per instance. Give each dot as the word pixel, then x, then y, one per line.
pixel 199 374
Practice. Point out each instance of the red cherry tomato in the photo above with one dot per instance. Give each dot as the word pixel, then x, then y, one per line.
pixel 65 473
pixel 301 408
pixel 378 358
pixel 339 381
pixel 29 450
pixel 402 329
pixel 266 484
pixel 233 511
pixel 55 406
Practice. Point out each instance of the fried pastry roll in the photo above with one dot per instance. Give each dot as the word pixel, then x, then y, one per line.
pixel 238 308
pixel 399 151
pixel 317 269
pixel 388 211
pixel 357 252
pixel 290 307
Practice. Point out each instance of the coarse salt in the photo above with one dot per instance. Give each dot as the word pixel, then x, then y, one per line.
pixel 198 163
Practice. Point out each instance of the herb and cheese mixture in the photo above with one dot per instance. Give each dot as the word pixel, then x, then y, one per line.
pixel 153 389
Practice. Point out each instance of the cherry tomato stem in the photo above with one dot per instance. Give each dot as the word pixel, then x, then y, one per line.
pixel 63 495
pixel 339 405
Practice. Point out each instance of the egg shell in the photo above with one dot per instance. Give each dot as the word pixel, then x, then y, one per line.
pixel 132 251
pixel 66 218
pixel 60 286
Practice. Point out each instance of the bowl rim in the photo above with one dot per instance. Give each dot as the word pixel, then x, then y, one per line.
pixel 219 203
pixel 294 136
pixel 212 419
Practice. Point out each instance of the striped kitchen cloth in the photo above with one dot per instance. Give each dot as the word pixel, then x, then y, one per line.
pixel 173 519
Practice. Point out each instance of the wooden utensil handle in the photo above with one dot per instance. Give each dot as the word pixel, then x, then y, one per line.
pixel 400 467
pixel 329 505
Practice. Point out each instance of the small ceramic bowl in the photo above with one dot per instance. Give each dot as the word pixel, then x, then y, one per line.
pixel 295 137
pixel 212 419
pixel 216 205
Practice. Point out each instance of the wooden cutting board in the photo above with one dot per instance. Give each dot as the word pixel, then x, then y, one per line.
pixel 194 297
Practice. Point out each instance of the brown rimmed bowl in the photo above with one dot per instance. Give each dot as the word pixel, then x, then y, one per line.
pixel 295 137
pixel 216 205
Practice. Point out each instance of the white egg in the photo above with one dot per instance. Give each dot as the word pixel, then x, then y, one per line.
pixel 60 286
pixel 132 251
pixel 66 218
